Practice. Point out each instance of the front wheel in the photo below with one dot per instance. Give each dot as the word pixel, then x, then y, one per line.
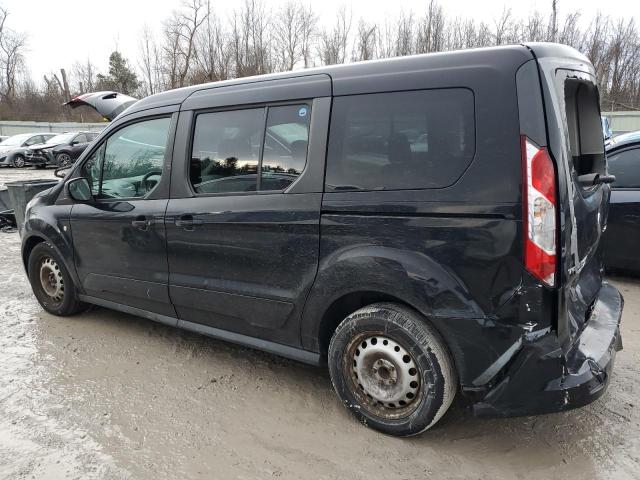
pixel 63 159
pixel 18 161
pixel 51 282
pixel 391 369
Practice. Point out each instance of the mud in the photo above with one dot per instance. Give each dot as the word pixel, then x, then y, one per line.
pixel 107 395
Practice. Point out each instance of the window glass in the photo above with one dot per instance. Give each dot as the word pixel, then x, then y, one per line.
pixel 626 167
pixel 80 138
pixel 33 140
pixel 401 140
pixel 285 146
pixel 130 163
pixel 226 150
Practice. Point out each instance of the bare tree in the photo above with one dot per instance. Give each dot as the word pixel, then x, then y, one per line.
pixel 287 31
pixel 334 41
pixel 180 31
pixel 12 45
pixel 366 41
pixel 85 76
pixel 250 39
pixel 430 37
pixel 213 53
pixel 149 63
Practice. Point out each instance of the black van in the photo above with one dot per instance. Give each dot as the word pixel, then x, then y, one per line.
pixel 426 226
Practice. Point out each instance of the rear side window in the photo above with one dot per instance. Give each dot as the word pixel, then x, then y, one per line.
pixel 249 150
pixel 625 166
pixel 401 140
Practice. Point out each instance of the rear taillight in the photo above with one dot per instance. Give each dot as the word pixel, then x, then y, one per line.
pixel 540 200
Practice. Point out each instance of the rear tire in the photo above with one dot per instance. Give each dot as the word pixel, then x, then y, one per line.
pixel 391 369
pixel 18 161
pixel 51 282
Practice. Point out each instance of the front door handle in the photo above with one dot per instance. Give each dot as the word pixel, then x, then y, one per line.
pixel 141 223
pixel 187 222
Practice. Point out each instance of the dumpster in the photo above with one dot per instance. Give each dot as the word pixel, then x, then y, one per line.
pixel 21 192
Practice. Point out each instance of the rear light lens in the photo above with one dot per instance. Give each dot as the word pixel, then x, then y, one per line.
pixel 540 201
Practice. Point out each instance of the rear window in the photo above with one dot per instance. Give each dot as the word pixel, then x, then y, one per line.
pixel 625 165
pixel 401 140
pixel 585 126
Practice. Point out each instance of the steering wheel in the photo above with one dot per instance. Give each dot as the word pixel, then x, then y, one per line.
pixel 145 180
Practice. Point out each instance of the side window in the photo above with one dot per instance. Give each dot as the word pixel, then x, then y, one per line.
pixel 625 166
pixel 226 151
pixel 80 138
pixel 33 140
pixel 285 146
pixel 129 163
pixel 235 151
pixel 401 140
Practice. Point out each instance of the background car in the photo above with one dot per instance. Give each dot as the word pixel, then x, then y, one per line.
pixel 622 236
pixel 13 149
pixel 3 137
pixel 61 150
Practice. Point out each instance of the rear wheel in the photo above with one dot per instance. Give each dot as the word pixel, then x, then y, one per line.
pixel 18 161
pixel 63 159
pixel 51 282
pixel 391 369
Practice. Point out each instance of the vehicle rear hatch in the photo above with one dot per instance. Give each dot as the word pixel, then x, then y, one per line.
pixel 575 143
pixel 108 104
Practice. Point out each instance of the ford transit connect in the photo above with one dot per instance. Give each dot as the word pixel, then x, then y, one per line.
pixel 428 226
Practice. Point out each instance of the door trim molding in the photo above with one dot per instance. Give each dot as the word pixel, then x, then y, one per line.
pixel 293 353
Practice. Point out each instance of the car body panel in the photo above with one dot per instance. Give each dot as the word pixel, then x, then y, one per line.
pixel 622 236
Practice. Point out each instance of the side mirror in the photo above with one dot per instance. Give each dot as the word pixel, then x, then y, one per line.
pixel 61 172
pixel 75 142
pixel 80 190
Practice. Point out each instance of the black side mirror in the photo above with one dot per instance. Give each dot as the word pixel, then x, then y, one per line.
pixel 61 172
pixel 80 190
pixel 75 142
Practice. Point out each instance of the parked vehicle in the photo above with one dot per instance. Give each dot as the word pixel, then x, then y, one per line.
pixel 450 248
pixel 61 150
pixel 13 149
pixel 622 236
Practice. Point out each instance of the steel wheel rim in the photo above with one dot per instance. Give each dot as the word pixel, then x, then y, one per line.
pixel 384 374
pixel 51 279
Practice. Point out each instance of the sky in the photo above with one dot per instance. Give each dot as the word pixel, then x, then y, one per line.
pixel 61 32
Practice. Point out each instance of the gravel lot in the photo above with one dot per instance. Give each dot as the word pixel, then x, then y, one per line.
pixel 107 395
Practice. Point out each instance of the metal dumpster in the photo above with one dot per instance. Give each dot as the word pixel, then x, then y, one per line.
pixel 21 192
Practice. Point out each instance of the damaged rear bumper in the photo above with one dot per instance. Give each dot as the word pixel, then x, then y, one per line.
pixel 541 378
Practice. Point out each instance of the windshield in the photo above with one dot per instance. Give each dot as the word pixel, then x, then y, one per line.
pixel 15 141
pixel 62 138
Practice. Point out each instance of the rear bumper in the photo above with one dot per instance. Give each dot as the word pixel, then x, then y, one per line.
pixel 544 379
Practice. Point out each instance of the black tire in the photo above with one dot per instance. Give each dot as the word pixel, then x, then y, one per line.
pixel 63 159
pixel 397 338
pixel 61 298
pixel 18 161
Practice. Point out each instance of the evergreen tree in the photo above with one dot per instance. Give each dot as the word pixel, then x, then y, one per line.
pixel 120 78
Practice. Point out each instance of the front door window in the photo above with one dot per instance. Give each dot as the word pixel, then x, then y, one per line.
pixel 130 163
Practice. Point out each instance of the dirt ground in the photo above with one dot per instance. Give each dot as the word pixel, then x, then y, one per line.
pixel 107 395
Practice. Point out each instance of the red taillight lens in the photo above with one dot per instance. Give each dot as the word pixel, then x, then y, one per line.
pixel 540 200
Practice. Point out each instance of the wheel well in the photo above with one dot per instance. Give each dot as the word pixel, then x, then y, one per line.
pixel 28 248
pixel 343 307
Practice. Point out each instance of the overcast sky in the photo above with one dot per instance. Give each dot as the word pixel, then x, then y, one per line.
pixel 61 32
